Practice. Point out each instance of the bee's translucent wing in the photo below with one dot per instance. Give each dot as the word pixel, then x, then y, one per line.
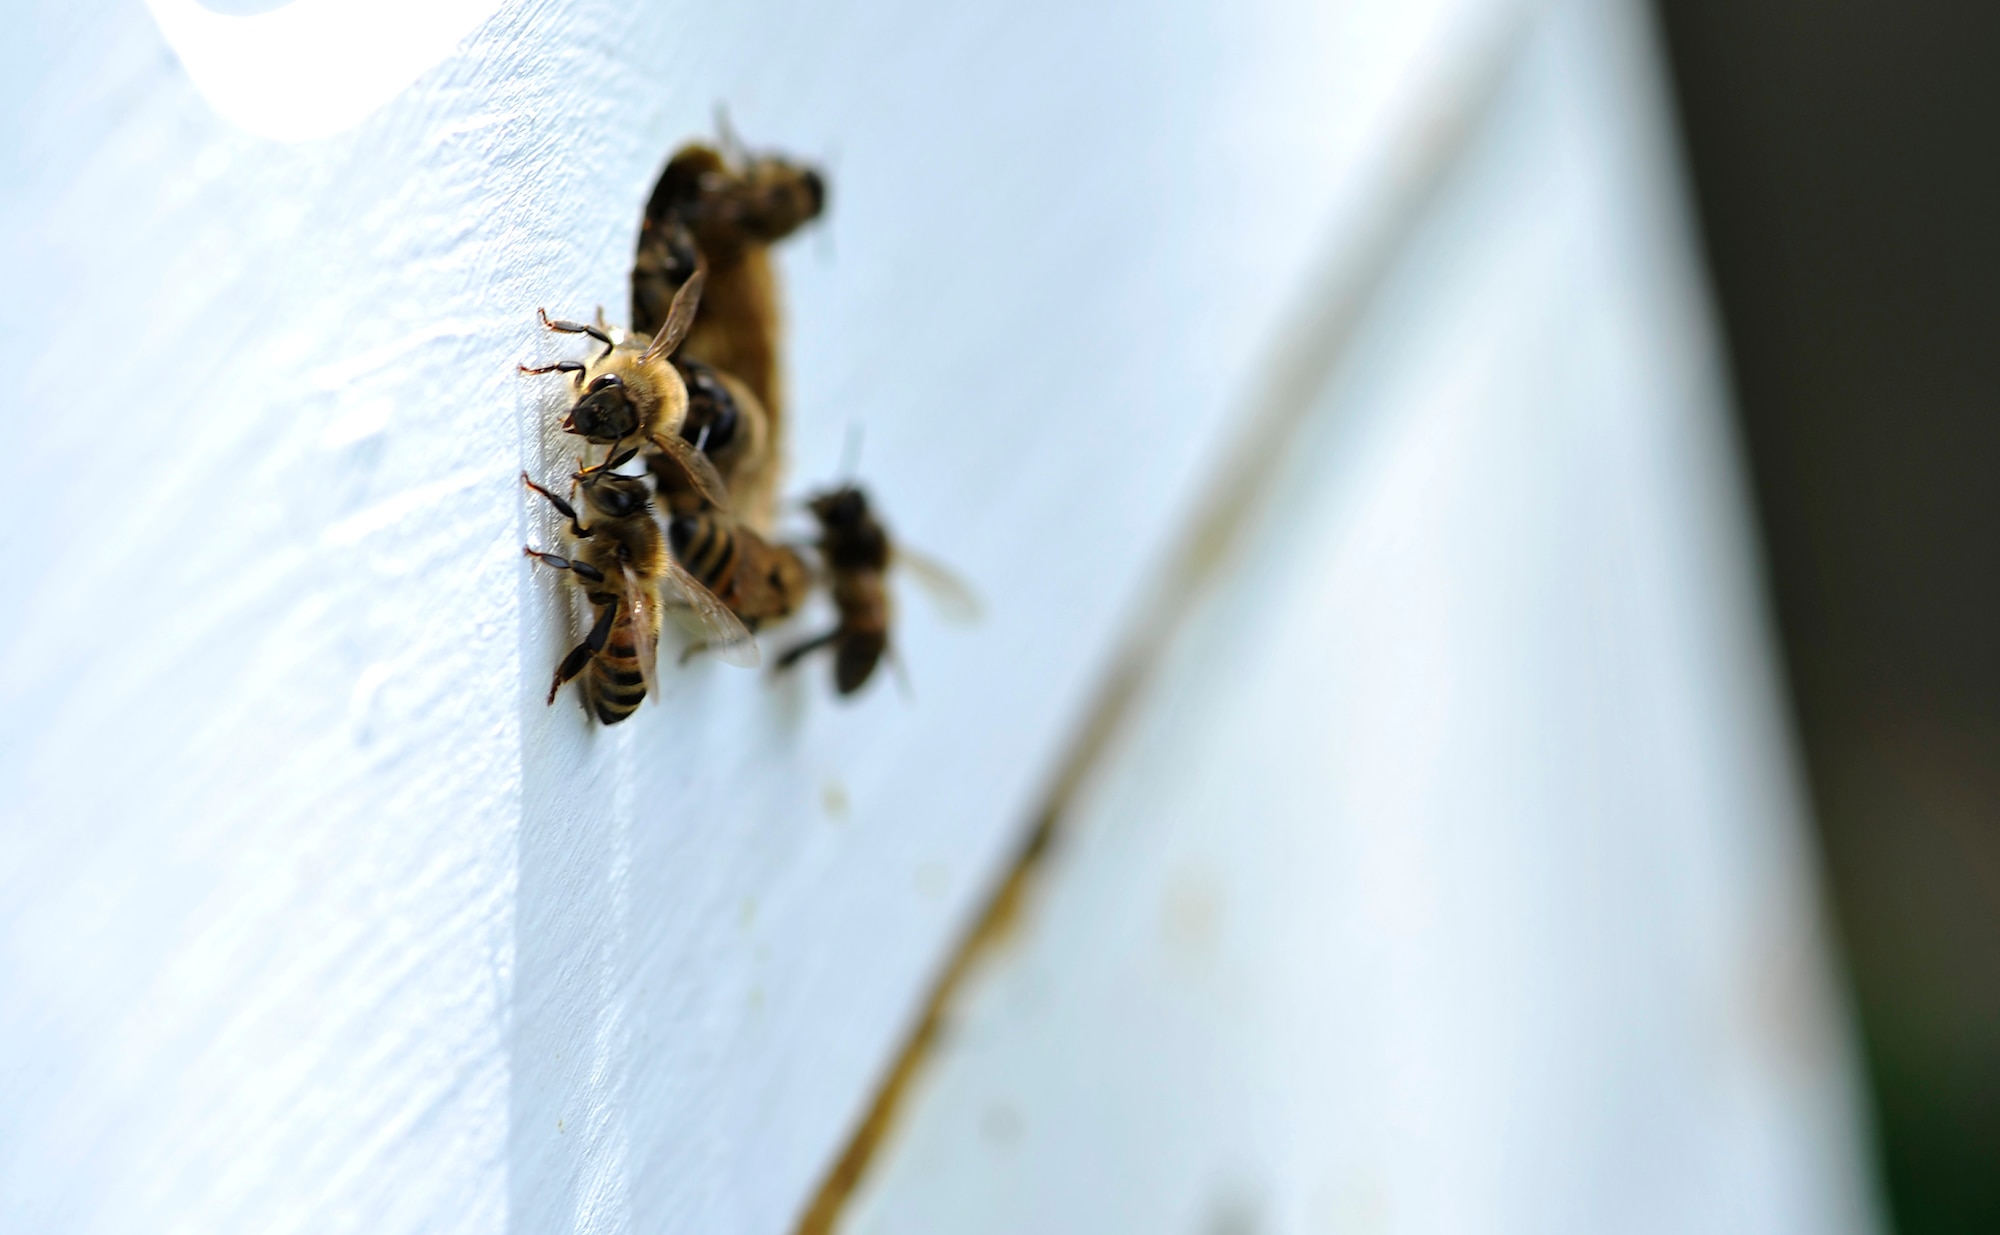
pixel 680 314
pixel 643 606
pixel 955 599
pixel 709 620
pixel 696 466
pixel 733 152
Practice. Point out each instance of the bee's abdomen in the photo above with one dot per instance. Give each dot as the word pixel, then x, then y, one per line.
pixel 855 657
pixel 616 685
pixel 706 548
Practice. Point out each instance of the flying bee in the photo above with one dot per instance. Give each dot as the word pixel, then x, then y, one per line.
pixel 726 423
pixel 632 391
pixel 725 209
pixel 759 581
pixel 857 552
pixel 621 562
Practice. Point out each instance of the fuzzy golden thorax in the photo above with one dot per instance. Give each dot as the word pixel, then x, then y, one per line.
pixel 628 397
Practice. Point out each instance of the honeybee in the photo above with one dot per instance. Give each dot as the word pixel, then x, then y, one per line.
pixel 759 581
pixel 726 423
pixel 632 391
pixel 621 564
pixel 722 210
pixel 857 553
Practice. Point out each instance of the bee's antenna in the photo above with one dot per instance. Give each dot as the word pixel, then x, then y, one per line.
pixel 850 453
pixel 726 137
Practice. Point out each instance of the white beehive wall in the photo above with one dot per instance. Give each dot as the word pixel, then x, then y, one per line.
pixel 312 917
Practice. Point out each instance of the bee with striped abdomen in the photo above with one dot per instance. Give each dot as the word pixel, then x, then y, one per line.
pixel 622 564
pixel 857 553
pixel 722 210
pixel 759 581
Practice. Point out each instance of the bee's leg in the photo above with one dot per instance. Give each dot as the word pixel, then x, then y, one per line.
pixel 855 660
pixel 563 508
pixel 584 570
pixel 794 655
pixel 565 327
pixel 593 643
pixel 575 368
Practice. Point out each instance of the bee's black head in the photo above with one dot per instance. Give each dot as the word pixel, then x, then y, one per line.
pixel 777 198
pixel 611 495
pixel 606 412
pixel 812 189
pixel 841 510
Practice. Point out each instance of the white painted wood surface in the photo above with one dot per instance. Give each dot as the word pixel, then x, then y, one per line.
pixel 1450 876
pixel 311 916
